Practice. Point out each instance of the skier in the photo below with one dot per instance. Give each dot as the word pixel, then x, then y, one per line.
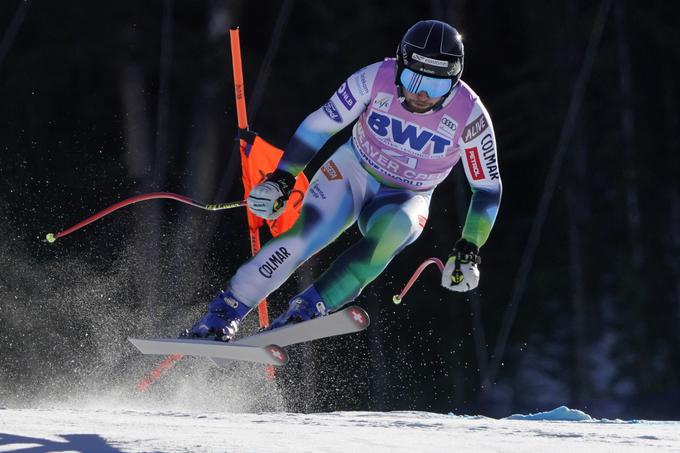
pixel 415 119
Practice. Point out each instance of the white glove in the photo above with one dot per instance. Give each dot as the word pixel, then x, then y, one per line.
pixel 268 198
pixel 461 272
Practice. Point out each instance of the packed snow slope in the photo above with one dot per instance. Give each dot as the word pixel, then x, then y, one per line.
pixel 116 430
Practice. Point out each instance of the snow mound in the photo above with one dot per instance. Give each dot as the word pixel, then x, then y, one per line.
pixel 562 413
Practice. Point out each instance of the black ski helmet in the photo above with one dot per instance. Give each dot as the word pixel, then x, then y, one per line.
pixel 431 48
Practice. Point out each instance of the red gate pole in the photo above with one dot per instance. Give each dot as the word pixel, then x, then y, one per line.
pixel 239 91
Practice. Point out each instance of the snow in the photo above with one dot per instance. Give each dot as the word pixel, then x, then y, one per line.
pixel 123 430
pixel 562 413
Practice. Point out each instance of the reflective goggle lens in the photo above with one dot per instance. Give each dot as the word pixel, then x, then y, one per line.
pixel 415 83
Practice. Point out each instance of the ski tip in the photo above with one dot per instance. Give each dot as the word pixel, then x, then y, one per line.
pixel 277 353
pixel 358 316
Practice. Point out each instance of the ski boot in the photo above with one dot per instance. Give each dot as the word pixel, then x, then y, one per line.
pixel 303 307
pixel 221 321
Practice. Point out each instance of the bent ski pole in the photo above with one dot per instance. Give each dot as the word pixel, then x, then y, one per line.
pixel 51 237
pixel 398 297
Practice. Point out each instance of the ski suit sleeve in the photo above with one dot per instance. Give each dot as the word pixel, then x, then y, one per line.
pixel 344 106
pixel 480 161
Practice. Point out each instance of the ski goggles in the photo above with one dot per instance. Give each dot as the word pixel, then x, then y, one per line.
pixel 433 86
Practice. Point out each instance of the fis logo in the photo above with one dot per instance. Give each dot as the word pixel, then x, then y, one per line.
pixel 383 101
pixel 416 138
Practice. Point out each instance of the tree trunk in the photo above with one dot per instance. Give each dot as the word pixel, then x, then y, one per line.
pixel 627 129
pixel 13 29
pixel 139 158
pixel 576 199
pixel 137 131
pixel 637 292
pixel 205 150
pixel 578 214
pixel 672 248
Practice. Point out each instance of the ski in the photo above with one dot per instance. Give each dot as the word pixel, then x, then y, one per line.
pixel 349 320
pixel 270 354
pixel 263 347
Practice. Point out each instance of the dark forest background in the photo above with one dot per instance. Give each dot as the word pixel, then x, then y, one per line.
pixel 579 301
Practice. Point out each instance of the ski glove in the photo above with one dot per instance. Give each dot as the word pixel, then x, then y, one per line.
pixel 461 273
pixel 268 198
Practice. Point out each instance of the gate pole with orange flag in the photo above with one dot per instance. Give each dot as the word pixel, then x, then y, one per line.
pixel 258 158
pixel 239 92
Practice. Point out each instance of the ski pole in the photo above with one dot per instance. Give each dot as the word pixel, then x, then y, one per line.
pixel 152 376
pixel 51 237
pixel 398 297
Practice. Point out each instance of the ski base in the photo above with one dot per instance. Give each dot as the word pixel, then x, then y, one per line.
pixel 270 354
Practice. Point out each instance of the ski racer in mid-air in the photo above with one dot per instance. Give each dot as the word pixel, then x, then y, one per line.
pixel 416 120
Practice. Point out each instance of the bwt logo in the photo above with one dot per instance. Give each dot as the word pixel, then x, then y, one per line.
pixel 398 132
